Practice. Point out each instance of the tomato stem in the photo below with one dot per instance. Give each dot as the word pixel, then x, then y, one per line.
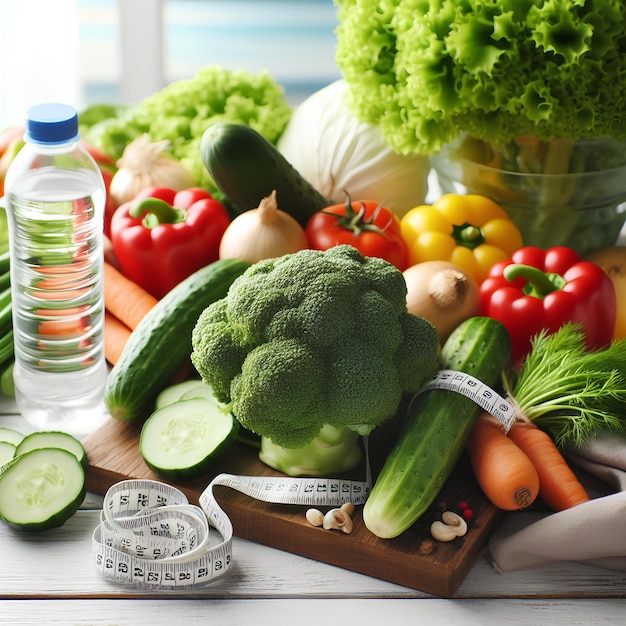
pixel 355 220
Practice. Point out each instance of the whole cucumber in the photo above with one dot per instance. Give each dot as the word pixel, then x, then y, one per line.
pixel 246 168
pixel 435 430
pixel 162 341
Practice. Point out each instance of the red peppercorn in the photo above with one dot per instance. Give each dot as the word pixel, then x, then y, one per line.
pixel 468 514
pixel 463 505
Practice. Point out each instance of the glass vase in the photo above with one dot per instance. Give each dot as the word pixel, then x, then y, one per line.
pixel 559 192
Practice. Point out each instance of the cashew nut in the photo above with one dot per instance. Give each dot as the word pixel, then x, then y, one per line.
pixel 348 507
pixel 338 519
pixel 442 532
pixel 314 517
pixel 454 519
pixel 449 528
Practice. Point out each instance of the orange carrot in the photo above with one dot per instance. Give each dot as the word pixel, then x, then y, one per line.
pixel 63 282
pixel 56 296
pixel 124 298
pixel 116 335
pixel 68 328
pixel 505 474
pixel 70 322
pixel 559 487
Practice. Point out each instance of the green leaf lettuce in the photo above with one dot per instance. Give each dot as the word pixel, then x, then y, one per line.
pixel 184 109
pixel 426 70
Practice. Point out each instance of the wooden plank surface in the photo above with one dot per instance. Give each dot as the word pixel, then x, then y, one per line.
pixel 113 455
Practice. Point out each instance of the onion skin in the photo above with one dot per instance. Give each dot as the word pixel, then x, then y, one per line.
pixel 442 293
pixel 262 233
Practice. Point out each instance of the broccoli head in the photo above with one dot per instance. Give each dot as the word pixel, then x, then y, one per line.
pixel 314 340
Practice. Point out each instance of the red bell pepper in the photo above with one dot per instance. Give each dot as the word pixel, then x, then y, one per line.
pixel 543 289
pixel 163 236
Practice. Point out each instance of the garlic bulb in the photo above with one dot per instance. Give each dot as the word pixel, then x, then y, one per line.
pixel 144 164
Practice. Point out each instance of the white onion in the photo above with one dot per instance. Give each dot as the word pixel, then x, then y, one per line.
pixel 262 233
pixel 442 293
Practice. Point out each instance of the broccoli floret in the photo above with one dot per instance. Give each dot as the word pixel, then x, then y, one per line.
pixel 311 348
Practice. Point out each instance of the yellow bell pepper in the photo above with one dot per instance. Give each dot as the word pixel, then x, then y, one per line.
pixel 471 231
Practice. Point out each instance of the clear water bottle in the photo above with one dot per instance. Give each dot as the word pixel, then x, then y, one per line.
pixel 55 199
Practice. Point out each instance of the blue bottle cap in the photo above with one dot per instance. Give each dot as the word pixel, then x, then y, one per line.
pixel 51 124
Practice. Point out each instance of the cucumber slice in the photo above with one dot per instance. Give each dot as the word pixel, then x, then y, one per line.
pixel 173 393
pixel 41 489
pixel 183 440
pixel 205 392
pixel 10 435
pixel 7 452
pixel 53 439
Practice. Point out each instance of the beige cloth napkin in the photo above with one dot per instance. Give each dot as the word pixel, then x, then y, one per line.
pixel 593 532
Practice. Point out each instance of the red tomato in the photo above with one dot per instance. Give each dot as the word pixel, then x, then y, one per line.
pixel 368 226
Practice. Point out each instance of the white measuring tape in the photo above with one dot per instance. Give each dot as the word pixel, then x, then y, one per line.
pixel 151 537
pixel 483 395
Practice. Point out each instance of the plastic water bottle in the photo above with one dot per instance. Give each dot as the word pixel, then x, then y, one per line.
pixel 55 199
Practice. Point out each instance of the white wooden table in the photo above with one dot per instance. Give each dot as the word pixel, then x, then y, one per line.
pixel 49 578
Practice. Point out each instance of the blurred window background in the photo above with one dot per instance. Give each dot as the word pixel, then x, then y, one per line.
pixel 89 51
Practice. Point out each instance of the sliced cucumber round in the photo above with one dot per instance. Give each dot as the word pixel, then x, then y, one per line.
pixel 191 389
pixel 10 435
pixel 206 392
pixel 183 440
pixel 41 489
pixel 53 439
pixel 7 452
pixel 174 393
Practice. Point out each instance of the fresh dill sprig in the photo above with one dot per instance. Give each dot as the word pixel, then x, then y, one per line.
pixel 569 391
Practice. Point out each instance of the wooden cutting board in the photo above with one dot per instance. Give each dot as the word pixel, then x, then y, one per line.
pixel 413 559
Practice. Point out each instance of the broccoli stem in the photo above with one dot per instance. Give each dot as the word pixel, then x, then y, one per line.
pixel 333 451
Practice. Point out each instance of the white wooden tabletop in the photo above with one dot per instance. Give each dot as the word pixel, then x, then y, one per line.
pixel 49 578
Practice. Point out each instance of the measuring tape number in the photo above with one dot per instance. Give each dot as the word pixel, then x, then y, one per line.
pixel 150 536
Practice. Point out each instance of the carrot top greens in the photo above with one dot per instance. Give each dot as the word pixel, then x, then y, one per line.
pixel 568 390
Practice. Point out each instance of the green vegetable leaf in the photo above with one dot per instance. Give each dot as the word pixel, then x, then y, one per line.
pixel 426 71
pixel 184 109
pixel 569 391
pixel 562 32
